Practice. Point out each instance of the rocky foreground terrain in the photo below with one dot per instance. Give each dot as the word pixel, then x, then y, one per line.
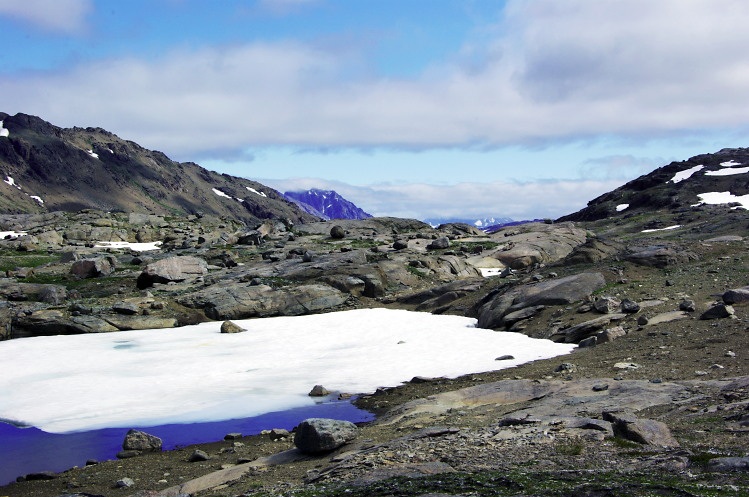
pixel 654 401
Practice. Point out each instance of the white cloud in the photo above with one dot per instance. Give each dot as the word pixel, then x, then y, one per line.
pixel 64 16
pixel 519 201
pixel 552 71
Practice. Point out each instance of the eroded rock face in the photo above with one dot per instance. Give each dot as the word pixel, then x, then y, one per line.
pixel 172 269
pixel 320 435
pixel 242 301
pixel 559 291
pixel 538 244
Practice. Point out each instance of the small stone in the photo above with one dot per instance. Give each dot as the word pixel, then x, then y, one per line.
pixel 127 454
pixel 630 306
pixel 308 256
pixel 730 353
pixel 124 483
pixel 318 391
pixel 318 435
pixel 716 366
pixel 199 456
pixel 565 367
pixel 139 440
pixel 278 434
pixel 642 320
pixel 41 475
pixel 601 387
pixel 687 305
pixel 588 342
pixel 626 365
pixel 506 357
pixel 126 308
pixel 232 436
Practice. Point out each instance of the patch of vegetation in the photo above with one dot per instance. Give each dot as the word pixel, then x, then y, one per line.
pixel 624 443
pixel 416 271
pixel 494 483
pixel 9 260
pixel 471 246
pixel 570 449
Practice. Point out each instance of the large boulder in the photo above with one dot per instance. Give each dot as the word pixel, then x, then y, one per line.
pixel 320 435
pixel 660 256
pixel 172 269
pixel 558 291
pixel 141 441
pixel 241 301
pixel 93 268
pixel 736 296
pixel 644 431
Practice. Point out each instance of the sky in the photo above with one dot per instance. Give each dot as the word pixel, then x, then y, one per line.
pixel 410 108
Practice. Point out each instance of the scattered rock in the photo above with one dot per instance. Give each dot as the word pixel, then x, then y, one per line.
pixel 124 483
pixel 127 308
pixel 506 357
pixel 630 306
pixel 279 434
pixel 718 311
pixel 440 243
pixel 644 431
pixel 319 435
pixel 607 305
pixel 318 391
pixel 231 327
pixel 728 464
pixel 736 296
pixel 232 436
pixel 199 456
pixel 93 268
pixel 337 232
pixel 687 305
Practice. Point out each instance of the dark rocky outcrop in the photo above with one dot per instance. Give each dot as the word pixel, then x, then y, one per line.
pixel 560 291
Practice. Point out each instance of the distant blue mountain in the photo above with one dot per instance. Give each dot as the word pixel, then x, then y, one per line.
pixel 326 204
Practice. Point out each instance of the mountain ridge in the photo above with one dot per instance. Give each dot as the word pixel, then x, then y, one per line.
pixel 47 168
pixel 327 204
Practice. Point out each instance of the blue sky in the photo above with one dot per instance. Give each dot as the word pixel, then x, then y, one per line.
pixel 413 108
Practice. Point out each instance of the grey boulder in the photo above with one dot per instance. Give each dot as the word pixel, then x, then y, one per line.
pixel 172 269
pixel 320 435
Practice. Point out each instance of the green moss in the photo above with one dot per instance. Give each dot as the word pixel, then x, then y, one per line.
pixel 10 260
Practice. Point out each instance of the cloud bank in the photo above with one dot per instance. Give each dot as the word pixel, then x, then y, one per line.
pixel 61 16
pixel 548 71
pixel 516 200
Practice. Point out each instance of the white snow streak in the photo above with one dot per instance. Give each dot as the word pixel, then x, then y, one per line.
pixel 12 234
pixel 220 193
pixel 195 373
pixel 622 207
pixel 662 229
pixel 686 174
pixel 728 172
pixel 262 194
pixel 730 163
pixel 37 198
pixel 138 247
pixel 92 154
pixel 4 131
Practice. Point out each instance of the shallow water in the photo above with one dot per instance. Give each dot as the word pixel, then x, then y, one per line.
pixel 30 450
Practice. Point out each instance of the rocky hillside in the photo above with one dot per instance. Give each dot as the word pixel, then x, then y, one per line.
pixel 718 178
pixel 45 168
pixel 326 204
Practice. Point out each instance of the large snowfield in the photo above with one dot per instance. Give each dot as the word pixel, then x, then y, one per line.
pixel 192 374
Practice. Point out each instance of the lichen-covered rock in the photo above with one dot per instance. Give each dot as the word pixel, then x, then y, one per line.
pixel 319 435
pixel 172 269
pixel 142 441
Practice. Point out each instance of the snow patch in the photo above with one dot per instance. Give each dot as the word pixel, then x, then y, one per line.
pixel 12 234
pixel 92 154
pixel 240 375
pixel 730 163
pixel 37 198
pixel 717 198
pixel 728 172
pixel 622 207
pixel 11 182
pixel 686 174
pixel 662 229
pixel 220 193
pixel 138 247
pixel 488 272
pixel 4 131
pixel 262 194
